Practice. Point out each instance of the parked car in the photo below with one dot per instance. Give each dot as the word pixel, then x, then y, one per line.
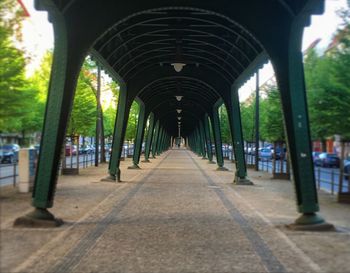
pixel 280 153
pixel 347 168
pixel 71 150
pixel 9 153
pixel 315 156
pixel 85 149
pixel 251 150
pixel 265 154
pixel 327 160
pixel 37 148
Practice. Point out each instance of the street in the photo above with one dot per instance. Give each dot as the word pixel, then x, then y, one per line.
pixel 327 179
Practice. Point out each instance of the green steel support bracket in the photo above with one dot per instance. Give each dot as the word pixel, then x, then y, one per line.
pixel 39 218
pixel 139 136
pixel 159 140
pixel 234 114
pixel 198 142
pixel 155 139
pixel 59 101
pixel 161 144
pixel 208 139
pixel 118 135
pixel 202 139
pixel 217 138
pixel 149 138
pixel 293 96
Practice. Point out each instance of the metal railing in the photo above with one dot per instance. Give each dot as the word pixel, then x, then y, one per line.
pixel 8 174
pixel 327 179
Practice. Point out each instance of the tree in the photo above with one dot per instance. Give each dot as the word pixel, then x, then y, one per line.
pixel 83 115
pixel 37 87
pixel 248 118
pixel 328 94
pixel 318 86
pixel 224 125
pixel 132 122
pixel 271 123
pixel 13 95
pixel 108 120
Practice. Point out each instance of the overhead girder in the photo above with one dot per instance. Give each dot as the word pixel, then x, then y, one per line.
pixel 190 107
pixel 209 81
pixel 148 92
pixel 169 88
pixel 168 96
pixel 166 106
pixel 180 88
pixel 272 15
pixel 208 23
pixel 191 119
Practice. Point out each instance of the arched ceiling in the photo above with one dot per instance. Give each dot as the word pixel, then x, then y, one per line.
pixel 156 39
pixel 217 41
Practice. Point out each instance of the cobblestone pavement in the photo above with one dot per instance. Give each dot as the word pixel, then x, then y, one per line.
pixel 176 214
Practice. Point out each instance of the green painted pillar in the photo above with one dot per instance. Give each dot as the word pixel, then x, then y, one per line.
pixel 202 139
pixel 208 138
pixel 159 141
pixel 155 139
pixel 61 88
pixel 197 142
pixel 149 137
pixel 217 138
pixel 118 136
pixel 165 141
pixel 162 142
pixel 234 115
pixel 290 74
pixel 142 118
pixel 56 117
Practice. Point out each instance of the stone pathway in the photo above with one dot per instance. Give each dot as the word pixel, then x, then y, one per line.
pixel 175 215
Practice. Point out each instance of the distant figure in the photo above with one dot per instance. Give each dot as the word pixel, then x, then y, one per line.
pixel 178 145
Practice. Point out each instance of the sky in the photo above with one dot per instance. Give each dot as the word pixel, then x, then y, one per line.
pixel 38 37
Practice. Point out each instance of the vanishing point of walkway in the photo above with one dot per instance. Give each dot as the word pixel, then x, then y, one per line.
pixel 177 214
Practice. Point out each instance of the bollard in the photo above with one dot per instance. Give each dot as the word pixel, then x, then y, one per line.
pixel 26 169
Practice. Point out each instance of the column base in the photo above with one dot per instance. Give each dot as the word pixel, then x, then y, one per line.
pixel 221 169
pixel 211 162
pixel 134 167
pixel 146 161
pixel 39 218
pixel 110 178
pixel 242 181
pixel 311 222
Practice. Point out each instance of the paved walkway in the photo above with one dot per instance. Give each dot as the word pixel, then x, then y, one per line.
pixel 177 214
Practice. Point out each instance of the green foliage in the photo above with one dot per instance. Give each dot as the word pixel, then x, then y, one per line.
pixel 271 116
pixel 83 115
pixel 328 90
pixel 14 94
pixel 248 119
pixel 224 125
pixel 132 122
pixel 108 121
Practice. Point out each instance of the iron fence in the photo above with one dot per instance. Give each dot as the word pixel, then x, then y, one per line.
pixel 8 174
pixel 327 179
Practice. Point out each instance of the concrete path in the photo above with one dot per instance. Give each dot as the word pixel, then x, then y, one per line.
pixel 177 214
